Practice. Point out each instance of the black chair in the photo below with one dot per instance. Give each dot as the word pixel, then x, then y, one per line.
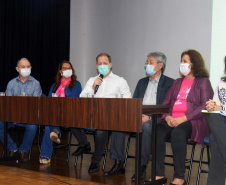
pixel 188 161
pixel 200 170
pixel 93 132
pixel 66 146
pixel 16 132
pixel 131 135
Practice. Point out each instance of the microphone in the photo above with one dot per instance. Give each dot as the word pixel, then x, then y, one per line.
pixel 97 86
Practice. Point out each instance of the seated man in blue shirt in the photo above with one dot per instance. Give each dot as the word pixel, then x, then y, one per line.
pixel 24 85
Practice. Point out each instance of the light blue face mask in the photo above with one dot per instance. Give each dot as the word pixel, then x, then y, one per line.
pixel 150 70
pixel 103 69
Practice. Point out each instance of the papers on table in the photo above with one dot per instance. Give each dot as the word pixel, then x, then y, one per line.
pixel 205 111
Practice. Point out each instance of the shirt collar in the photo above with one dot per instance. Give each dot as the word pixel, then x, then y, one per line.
pixel 29 78
pixel 110 75
pixel 156 80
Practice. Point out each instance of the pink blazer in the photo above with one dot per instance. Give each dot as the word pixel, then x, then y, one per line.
pixel 201 91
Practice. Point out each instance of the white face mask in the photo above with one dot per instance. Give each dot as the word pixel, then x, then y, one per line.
pixel 25 72
pixel 67 73
pixel 184 69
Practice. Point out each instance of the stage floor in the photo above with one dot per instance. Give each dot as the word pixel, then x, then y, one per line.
pixel 61 172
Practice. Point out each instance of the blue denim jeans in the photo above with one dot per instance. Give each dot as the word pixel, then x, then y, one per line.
pixel 29 136
pixel 47 144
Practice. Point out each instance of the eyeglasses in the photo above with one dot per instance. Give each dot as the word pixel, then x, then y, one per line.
pixel 23 67
pixel 65 68
pixel 146 63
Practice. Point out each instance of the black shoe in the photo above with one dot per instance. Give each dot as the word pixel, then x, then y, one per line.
pixel 13 153
pixel 163 181
pixel 118 168
pixel 94 167
pixel 24 156
pixel 80 150
pixel 178 184
pixel 142 173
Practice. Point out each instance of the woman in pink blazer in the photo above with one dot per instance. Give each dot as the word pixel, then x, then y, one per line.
pixel 186 97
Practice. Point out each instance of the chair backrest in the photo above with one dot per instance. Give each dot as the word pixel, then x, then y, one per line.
pixel 206 140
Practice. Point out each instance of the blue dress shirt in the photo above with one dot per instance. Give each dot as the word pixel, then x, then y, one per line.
pixel 31 87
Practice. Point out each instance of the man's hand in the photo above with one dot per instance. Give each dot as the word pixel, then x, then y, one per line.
pixel 145 118
pixel 98 81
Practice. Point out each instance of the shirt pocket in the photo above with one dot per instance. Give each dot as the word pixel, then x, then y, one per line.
pixel 30 91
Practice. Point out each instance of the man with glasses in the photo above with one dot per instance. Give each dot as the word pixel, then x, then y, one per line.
pixel 152 89
pixel 109 85
pixel 23 85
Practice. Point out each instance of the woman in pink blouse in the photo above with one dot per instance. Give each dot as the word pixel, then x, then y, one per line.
pixel 186 97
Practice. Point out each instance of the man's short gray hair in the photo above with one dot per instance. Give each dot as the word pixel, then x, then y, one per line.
pixel 160 57
pixel 22 59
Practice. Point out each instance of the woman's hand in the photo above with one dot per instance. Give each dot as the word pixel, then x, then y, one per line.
pixel 212 106
pixel 169 120
pixel 178 121
pixel 174 122
pixel 145 118
pixel 98 81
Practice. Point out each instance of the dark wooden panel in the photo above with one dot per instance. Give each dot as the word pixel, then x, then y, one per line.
pixel 19 109
pixel 100 113
pixel 155 109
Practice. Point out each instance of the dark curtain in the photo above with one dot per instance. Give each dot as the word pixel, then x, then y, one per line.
pixel 38 30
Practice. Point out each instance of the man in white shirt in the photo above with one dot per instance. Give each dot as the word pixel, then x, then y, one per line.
pixel 109 86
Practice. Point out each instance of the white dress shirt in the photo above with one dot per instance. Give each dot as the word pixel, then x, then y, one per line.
pixel 111 86
pixel 151 92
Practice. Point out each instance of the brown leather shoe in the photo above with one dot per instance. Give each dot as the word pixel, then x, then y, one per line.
pixel 13 153
pixel 24 156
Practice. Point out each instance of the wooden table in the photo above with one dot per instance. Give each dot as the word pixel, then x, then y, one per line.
pixel 99 113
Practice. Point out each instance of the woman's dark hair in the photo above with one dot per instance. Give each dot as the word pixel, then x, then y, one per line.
pixel 58 76
pixel 224 78
pixel 198 64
